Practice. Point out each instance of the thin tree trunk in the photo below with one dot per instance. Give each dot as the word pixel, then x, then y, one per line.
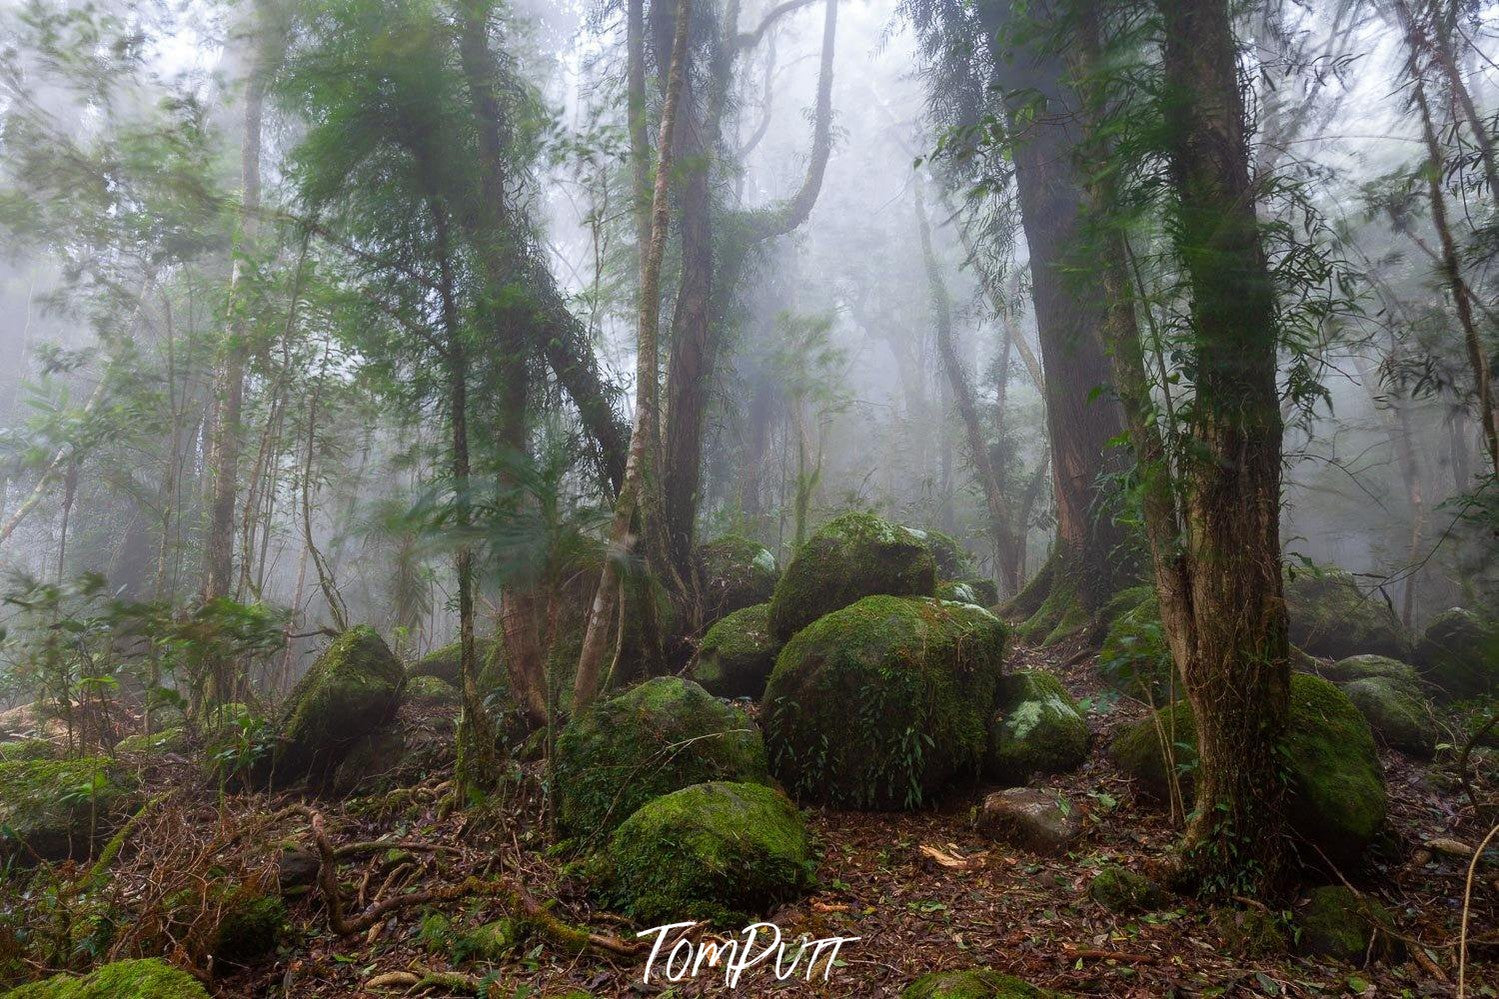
pixel 601 615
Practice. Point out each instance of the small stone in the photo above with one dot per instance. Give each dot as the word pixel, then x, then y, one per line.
pixel 1030 819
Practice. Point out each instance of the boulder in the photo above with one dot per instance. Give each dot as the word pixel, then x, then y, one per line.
pixel 1135 659
pixel 399 754
pixel 58 808
pixel 1371 668
pixel 1337 923
pixel 1123 892
pixel 1459 654
pixel 1037 729
pixel 1035 820
pixel 1331 617
pixel 1399 718
pixel 445 663
pixel 735 573
pixel 655 738
pixel 979 983
pixel 237 924
pixel 431 693
pixel 1337 786
pixel 853 556
pixel 718 851
pixel 884 703
pixel 952 560
pixel 150 978
pixel 973 590
pixel 737 654
pixel 168 740
pixel 353 688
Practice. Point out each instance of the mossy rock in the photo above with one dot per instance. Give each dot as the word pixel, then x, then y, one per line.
pixel 735 573
pixel 1331 617
pixel 1135 659
pixel 143 979
pixel 58 808
pixel 884 703
pixel 353 688
pixel 975 983
pixel 953 561
pixel 1459 654
pixel 853 556
pixel 655 738
pixel 237 925
pixel 168 740
pixel 1123 892
pixel 974 590
pixel 737 654
pixel 1249 932
pixel 27 749
pixel 1337 798
pixel 1037 729
pixel 1354 668
pixel 717 851
pixel 1400 719
pixel 400 754
pixel 1337 923
pixel 432 692
pixel 445 663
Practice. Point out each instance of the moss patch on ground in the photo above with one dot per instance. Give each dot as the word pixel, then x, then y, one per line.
pixel 143 979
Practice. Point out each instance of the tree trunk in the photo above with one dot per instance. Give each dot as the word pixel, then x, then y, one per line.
pixel 1231 623
pixel 1079 422
pixel 601 615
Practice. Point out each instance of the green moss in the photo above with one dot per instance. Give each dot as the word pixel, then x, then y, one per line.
pixel 352 688
pixel 1037 728
pixel 1459 654
pixel 1252 933
pixel 27 749
pixel 1370 668
pixel 250 926
pixel 973 590
pixel 1337 923
pixel 662 735
pixel 719 851
pixel 1123 892
pixel 170 740
pixel 144 979
pixel 431 692
pixel 853 556
pixel 57 808
pixel 1331 617
pixel 737 654
pixel 885 702
pixel 1135 659
pixel 1337 798
pixel 974 984
pixel 952 560
pixel 489 943
pixel 442 663
pixel 1399 718
pixel 735 573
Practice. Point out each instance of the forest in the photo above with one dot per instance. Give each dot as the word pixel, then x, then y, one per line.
pixel 566 499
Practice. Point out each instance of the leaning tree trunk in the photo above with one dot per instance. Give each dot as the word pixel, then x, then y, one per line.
pixel 1230 619
pixel 1091 550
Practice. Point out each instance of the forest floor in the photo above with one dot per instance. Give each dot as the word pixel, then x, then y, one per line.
pixel 965 901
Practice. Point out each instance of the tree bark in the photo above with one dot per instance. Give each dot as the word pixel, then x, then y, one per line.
pixel 601 615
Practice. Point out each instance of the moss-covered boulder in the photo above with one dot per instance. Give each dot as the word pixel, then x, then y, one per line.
pixel 718 851
pixel 27 749
pixel 1337 787
pixel 953 561
pixel 1037 728
pixel 444 663
pixel 973 590
pixel 431 693
pixel 58 808
pixel 1370 668
pixel 144 979
pixel 885 702
pixel 1123 892
pixel 415 745
pixel 1331 617
pixel 1399 718
pixel 1339 924
pixel 735 573
pixel 737 654
pixel 975 983
pixel 853 556
pixel 1459 654
pixel 353 688
pixel 1135 659
pixel 1248 932
pixel 655 738
pixel 168 740
pixel 236 925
